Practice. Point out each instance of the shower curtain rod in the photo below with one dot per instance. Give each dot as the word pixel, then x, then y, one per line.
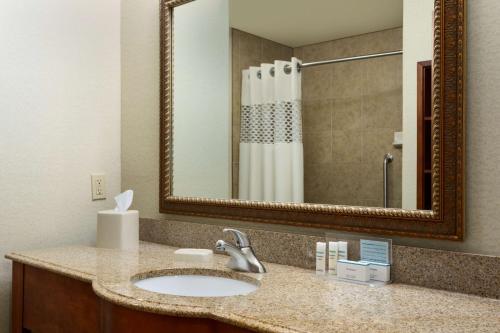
pixel 334 61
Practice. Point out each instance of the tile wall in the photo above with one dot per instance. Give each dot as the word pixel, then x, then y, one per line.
pixel 350 113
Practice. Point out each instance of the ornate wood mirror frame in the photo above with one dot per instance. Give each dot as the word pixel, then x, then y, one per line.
pixel 444 221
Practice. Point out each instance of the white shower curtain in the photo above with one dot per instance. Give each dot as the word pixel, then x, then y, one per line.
pixel 271 152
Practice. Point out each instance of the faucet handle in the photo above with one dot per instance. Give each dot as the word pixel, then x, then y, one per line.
pixel 242 239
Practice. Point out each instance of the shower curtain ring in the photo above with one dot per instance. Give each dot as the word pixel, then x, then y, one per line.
pixel 288 69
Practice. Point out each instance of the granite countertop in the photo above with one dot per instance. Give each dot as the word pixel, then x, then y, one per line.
pixel 289 299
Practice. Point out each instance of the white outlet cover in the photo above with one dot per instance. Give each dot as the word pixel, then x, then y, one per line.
pixel 98 186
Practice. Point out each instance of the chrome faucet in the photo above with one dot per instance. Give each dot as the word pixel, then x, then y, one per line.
pixel 242 255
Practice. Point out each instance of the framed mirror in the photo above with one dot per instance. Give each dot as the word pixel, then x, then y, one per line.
pixel 325 113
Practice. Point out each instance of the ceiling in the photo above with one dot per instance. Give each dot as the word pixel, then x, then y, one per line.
pixel 302 22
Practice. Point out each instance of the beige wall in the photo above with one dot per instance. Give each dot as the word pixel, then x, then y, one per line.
pixel 140 122
pixel 200 31
pixel 350 112
pixel 140 54
pixel 59 122
pixel 417 46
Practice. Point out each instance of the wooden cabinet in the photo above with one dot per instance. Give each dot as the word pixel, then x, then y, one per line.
pixel 46 302
pixel 123 320
pixel 54 303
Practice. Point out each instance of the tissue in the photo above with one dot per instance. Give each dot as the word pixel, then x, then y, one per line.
pixel 124 201
pixel 119 228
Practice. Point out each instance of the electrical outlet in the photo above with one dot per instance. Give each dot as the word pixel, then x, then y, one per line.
pixel 98 186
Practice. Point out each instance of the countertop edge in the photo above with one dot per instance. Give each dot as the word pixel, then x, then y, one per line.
pixel 58 269
pixel 189 312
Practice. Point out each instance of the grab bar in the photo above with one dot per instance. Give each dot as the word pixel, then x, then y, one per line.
pixel 387 159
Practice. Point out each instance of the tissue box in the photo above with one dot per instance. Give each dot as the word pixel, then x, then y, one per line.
pixel 118 230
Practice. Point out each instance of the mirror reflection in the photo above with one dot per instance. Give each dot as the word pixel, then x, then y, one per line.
pixel 323 101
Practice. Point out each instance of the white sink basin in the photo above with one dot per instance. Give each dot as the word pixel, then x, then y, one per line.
pixel 196 286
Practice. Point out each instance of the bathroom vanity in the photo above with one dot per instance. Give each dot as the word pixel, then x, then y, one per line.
pixel 72 306
pixel 68 296
pixel 314 117
pixel 86 289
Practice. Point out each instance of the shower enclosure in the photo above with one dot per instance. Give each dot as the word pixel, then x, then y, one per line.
pixel 350 109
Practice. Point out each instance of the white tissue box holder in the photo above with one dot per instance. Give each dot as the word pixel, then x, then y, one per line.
pixel 118 230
